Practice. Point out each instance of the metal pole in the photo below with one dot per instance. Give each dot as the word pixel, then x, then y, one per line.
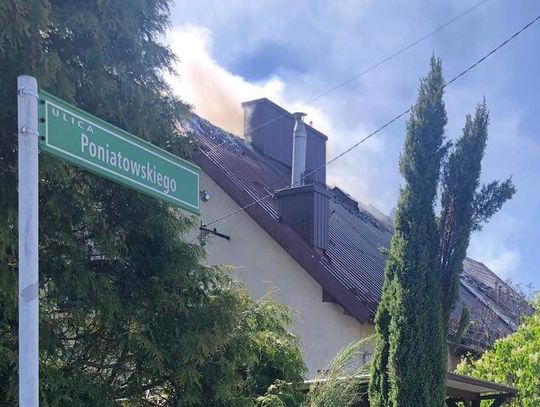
pixel 27 115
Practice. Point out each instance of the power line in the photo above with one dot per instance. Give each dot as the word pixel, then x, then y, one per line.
pixel 372 67
pixel 397 53
pixel 378 130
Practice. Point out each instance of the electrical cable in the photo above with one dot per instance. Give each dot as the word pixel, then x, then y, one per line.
pixel 370 68
pixel 379 129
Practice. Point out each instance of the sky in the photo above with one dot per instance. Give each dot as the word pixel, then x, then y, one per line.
pixel 292 51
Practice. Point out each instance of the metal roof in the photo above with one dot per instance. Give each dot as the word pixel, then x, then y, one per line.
pixel 351 270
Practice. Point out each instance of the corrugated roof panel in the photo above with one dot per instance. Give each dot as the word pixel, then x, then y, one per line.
pixel 353 256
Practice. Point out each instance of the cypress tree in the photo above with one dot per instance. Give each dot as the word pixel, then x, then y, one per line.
pixel 127 310
pixel 464 204
pixel 427 253
pixel 407 369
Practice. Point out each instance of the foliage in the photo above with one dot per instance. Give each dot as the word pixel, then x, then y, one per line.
pixel 465 205
pixel 427 252
pixel 514 360
pixel 263 353
pixel 409 334
pixel 127 310
pixel 463 325
pixel 341 385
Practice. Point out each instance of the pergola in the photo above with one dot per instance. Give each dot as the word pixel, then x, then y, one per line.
pixel 462 391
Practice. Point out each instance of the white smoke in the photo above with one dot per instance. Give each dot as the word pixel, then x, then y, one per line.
pixel 215 93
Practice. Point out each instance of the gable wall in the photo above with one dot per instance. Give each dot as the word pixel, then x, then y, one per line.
pixel 263 267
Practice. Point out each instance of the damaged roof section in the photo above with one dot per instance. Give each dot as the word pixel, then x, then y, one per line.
pixel 351 268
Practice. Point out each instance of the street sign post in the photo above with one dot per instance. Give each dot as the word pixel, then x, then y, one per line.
pixel 82 139
pixel 27 127
pixel 91 143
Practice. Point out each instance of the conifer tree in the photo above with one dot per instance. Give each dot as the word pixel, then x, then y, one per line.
pixel 127 310
pixel 426 254
pixel 407 367
pixel 465 205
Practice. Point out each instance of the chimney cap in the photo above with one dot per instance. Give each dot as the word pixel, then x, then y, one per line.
pixel 299 115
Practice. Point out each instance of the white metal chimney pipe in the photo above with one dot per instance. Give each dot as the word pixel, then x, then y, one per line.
pixel 299 150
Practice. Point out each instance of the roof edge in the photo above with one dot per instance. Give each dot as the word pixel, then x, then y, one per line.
pixel 290 241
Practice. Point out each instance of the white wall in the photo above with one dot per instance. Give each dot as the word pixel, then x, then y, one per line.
pixel 262 265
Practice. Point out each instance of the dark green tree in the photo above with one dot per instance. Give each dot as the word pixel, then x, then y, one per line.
pixel 426 253
pixel 465 205
pixel 407 368
pixel 127 310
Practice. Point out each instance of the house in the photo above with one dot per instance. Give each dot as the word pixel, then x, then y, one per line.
pixel 314 247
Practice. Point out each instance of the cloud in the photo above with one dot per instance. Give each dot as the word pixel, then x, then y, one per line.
pixel 360 34
pixel 216 94
pixel 493 246
pixel 505 261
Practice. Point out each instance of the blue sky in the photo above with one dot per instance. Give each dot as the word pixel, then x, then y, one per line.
pixel 232 51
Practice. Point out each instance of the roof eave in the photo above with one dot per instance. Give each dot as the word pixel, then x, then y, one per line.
pixel 290 241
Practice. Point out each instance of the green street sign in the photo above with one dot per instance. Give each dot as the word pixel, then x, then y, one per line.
pixel 93 144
